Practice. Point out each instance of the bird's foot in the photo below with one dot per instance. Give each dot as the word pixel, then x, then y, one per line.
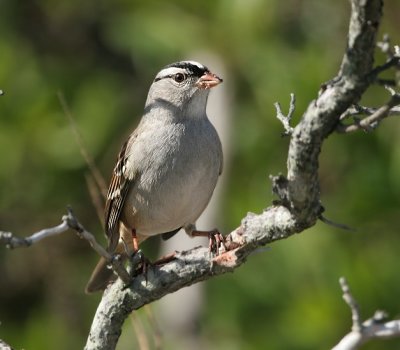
pixel 216 243
pixel 139 263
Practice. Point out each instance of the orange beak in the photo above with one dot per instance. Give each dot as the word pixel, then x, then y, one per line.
pixel 208 80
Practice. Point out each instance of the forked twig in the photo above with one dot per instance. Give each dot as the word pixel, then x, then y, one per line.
pixel 285 119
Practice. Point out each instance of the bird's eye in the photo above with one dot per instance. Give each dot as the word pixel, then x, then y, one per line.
pixel 179 77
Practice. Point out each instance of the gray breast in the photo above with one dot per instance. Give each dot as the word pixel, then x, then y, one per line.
pixel 178 166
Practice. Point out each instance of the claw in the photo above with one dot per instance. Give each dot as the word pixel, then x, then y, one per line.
pixel 216 240
pixel 139 263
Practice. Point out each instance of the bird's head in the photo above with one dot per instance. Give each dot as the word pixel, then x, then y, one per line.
pixel 183 85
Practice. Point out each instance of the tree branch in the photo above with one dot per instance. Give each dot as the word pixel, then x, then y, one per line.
pixel 393 61
pixel 298 207
pixel 353 305
pixel 69 221
pixel 372 121
pixel 375 327
pixel 357 110
pixel 11 241
pixel 4 345
pixel 301 190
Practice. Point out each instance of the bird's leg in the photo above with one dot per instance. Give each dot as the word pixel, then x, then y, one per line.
pixel 135 241
pixel 139 261
pixel 215 239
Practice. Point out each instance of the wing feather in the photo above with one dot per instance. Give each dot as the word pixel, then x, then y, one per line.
pixel 117 193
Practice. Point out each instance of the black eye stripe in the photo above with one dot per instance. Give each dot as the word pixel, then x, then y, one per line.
pixel 170 76
pixel 165 77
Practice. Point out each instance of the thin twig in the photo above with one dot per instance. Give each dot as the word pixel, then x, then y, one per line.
pixel 75 225
pixel 100 182
pixel 11 241
pixel 361 332
pixel 385 46
pixel 355 310
pixel 357 110
pixel 285 119
pixel 391 62
pixel 372 121
pixel 114 260
pixel 69 221
pixel 385 82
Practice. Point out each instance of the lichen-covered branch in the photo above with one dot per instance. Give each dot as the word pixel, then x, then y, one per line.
pixel 322 114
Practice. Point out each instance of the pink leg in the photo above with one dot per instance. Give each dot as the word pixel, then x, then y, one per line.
pixel 135 240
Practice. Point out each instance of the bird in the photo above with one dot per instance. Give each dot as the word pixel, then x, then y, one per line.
pixel 167 169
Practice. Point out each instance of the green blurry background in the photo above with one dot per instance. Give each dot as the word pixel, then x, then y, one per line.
pixel 103 55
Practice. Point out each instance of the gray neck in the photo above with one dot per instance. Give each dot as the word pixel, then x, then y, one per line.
pixel 194 108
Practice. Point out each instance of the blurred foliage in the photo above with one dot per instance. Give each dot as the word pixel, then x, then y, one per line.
pixel 103 55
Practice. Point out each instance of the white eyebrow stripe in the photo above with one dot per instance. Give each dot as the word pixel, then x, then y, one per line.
pixel 170 71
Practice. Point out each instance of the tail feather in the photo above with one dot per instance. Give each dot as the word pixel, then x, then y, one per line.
pixel 100 278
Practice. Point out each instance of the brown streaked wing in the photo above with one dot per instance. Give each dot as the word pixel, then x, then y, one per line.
pixel 117 192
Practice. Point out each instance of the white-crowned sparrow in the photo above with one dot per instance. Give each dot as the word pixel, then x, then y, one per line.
pixel 167 169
